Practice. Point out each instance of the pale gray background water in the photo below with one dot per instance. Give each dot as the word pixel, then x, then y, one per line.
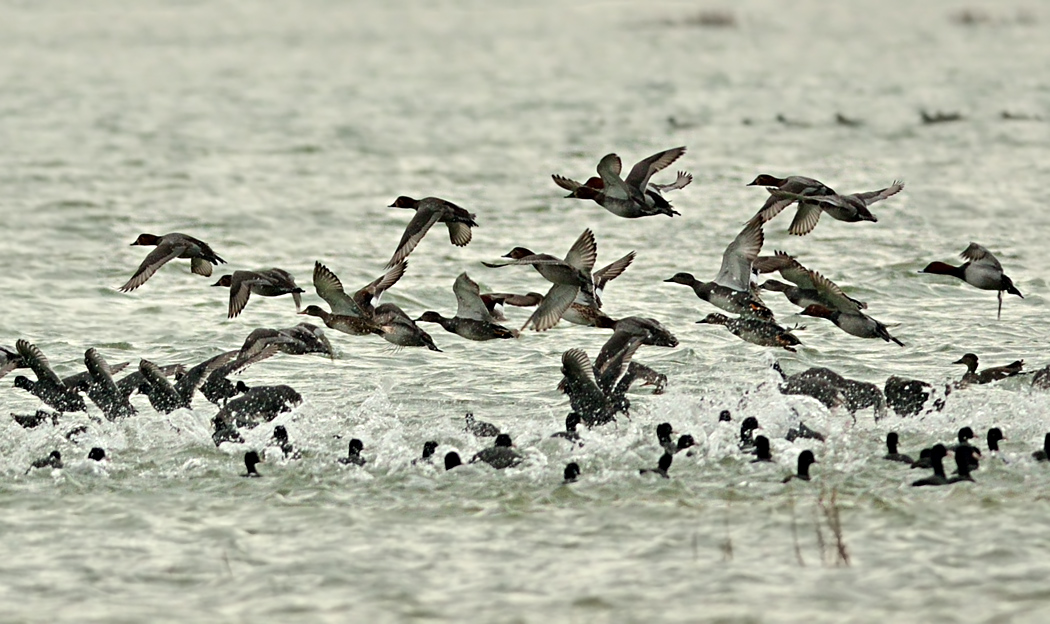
pixel 279 135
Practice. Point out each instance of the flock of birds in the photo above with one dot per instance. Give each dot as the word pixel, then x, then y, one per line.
pixel 598 390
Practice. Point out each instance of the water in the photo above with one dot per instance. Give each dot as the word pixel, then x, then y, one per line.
pixel 279 135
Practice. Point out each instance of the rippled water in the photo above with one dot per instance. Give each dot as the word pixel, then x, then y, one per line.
pixel 279 135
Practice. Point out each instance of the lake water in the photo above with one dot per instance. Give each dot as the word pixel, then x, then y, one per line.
pixel 279 134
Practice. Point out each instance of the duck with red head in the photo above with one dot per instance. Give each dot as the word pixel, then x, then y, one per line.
pixel 169 247
pixel 634 196
pixel 981 270
pixel 431 210
pixel 853 323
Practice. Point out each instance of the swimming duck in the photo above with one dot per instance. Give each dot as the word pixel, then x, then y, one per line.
pixel 809 287
pixel 500 455
pixel 663 436
pixel 936 457
pixel 731 289
pixel 267 283
pixel 1043 454
pixel 964 463
pixel 805 460
pixel 634 197
pixel 570 433
pixel 965 435
pixel 855 324
pixel 169 247
pixel 725 416
pixel 480 428
pixel 571 473
pixel 747 428
pixel 251 459
pixel 661 468
pixel 981 270
pixel 96 454
pixel 452 460
pixel 48 387
pixel 995 436
pixel 988 375
pixel 685 442
pixel 570 277
pixel 428 452
pixel 280 439
pixel 891 450
pixel 762 452
pixel 53 460
pixel 299 340
pixel 755 331
pixel 906 396
pixel 473 320
pixel 431 210
pixel 848 208
pixel 353 454
pixel 102 390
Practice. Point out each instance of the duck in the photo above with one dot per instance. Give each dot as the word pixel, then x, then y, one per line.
pixel 251 459
pixel 628 331
pixel 964 463
pixel 400 330
pixel 989 374
pixel 9 361
pixel 352 315
pixel 500 455
pixel 598 392
pixel 428 452
pixel 981 270
pixel 762 452
pixel 102 390
pixel 725 416
pixel 965 435
pixel 805 460
pixel 166 397
pixel 857 395
pixel 431 210
pixel 266 283
pixel 353 454
pixel 799 185
pixel 936 457
pixel 747 428
pixel 891 450
pixel 265 402
pixel 53 460
pixel 855 324
pixel 587 310
pixel 496 302
pixel 280 439
pixel 661 468
pixel 906 396
pixel 755 331
pixel 48 387
pixel 473 320
pixel 452 460
pixel 569 277
pixel 169 247
pixel 809 287
pixel 224 431
pixel 96 454
pixel 848 208
pixel 216 387
pixel 37 418
pixel 302 339
pixel 480 428
pixel 731 289
pixel 634 197
pixel 571 473
pixel 685 442
pixel 995 436
pixel 1043 454
pixel 570 433
pixel 663 437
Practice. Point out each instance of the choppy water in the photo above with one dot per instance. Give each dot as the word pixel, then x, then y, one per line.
pixel 279 134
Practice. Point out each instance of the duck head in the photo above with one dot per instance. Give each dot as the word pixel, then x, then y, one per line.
pixel 404 202
pixel 225 281
pixel 682 278
pixel 146 239
pixel 765 179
